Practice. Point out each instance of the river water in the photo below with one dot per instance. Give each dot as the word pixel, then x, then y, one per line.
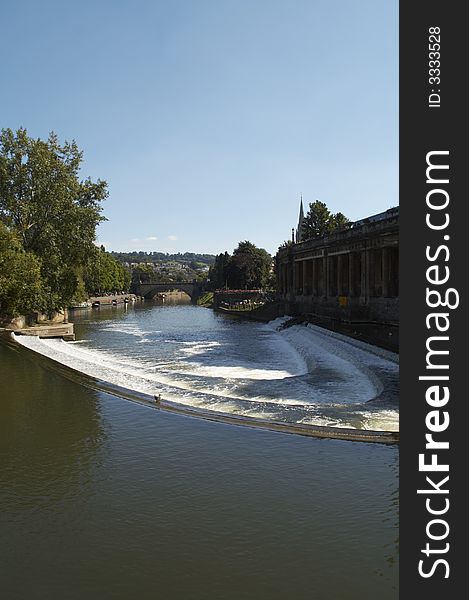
pixel 103 498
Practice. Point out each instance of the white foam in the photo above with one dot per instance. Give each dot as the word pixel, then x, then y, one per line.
pixel 194 348
pixel 128 328
pixel 318 368
pixel 237 372
pixel 384 420
pixel 118 371
pixel 319 351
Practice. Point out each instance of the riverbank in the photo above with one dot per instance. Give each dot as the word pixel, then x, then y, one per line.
pixel 111 299
pixel 58 327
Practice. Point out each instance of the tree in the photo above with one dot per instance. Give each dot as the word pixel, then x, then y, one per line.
pixel 319 221
pixel 52 211
pixel 339 221
pixel 218 273
pixel 104 273
pixel 143 274
pixel 21 289
pixel 249 267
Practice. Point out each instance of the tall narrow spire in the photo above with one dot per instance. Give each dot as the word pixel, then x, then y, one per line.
pixel 302 214
pixel 301 218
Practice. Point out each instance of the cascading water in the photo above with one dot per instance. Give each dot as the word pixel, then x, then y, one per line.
pixel 201 359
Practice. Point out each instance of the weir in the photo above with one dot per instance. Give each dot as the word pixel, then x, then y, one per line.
pixel 309 382
pixel 339 433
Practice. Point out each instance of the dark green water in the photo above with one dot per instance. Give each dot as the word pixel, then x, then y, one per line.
pixel 102 498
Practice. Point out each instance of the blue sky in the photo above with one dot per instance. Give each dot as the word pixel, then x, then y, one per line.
pixel 208 118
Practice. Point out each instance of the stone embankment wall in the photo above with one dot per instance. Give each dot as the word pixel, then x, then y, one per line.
pixel 55 325
pixel 33 319
pixel 113 299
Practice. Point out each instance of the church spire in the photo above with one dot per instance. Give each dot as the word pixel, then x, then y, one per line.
pixel 302 214
pixel 301 218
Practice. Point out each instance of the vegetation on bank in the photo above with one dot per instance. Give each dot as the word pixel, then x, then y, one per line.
pixel 205 299
pixel 190 258
pixel 21 285
pixel 48 220
pixel 165 272
pixel 249 267
pixel 103 274
pixel 157 267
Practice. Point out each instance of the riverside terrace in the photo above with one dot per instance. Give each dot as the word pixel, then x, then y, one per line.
pixel 351 275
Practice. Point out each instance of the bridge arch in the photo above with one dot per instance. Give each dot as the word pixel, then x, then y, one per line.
pixel 150 290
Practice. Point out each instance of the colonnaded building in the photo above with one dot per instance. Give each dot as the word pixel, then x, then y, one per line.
pixel 351 274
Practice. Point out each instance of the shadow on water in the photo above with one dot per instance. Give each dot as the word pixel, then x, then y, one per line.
pixel 46 422
pixel 30 394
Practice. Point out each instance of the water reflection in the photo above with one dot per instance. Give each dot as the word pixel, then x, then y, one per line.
pixel 51 434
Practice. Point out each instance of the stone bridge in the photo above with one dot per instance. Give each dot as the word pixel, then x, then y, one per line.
pixel 150 290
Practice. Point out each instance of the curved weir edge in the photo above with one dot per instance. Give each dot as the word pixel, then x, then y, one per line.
pixel 318 431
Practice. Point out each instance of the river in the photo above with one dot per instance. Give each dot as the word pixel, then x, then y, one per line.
pixel 104 498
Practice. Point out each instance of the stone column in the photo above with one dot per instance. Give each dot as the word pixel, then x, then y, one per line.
pixel 340 289
pixel 369 284
pixel 298 278
pixel 365 278
pixel 325 276
pixel 305 278
pixel 314 274
pixel 351 274
pixel 385 272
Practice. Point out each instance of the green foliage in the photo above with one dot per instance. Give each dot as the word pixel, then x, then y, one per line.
pixel 81 293
pixel 154 267
pixel 206 299
pixel 248 268
pixel 52 211
pixel 156 257
pixel 144 274
pixel 218 273
pixel 105 274
pixel 319 221
pixel 127 278
pixel 21 289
